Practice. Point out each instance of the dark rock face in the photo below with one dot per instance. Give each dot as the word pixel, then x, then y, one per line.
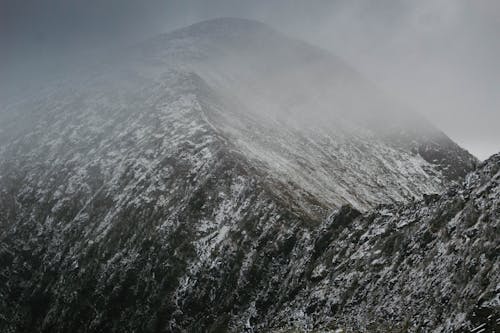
pixel 427 266
pixel 443 152
pixel 430 265
pixel 152 198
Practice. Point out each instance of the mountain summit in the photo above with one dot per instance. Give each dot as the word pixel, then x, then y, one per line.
pixel 287 105
pixel 189 185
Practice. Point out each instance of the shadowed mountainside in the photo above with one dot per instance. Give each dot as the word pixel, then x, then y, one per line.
pixel 189 184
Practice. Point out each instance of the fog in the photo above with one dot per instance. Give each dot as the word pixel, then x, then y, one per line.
pixel 438 57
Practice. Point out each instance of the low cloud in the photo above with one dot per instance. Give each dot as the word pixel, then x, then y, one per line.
pixel 439 57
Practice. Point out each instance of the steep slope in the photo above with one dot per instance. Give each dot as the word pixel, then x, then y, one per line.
pixel 293 104
pixel 298 114
pixel 179 188
pixel 430 266
pixel 103 236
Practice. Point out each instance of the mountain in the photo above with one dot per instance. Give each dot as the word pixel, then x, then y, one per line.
pixel 188 183
pixel 428 266
pixel 296 113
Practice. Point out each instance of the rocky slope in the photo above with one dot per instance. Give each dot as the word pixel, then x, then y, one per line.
pixel 187 186
pixel 296 113
pixel 428 266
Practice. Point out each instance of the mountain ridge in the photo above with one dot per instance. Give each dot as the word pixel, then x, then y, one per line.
pixel 170 192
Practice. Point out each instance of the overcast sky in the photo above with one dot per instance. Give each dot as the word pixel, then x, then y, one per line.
pixel 440 57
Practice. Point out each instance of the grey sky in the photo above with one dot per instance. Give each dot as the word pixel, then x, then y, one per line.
pixel 440 57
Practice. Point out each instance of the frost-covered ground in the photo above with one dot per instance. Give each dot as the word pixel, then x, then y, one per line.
pixel 189 187
pixel 431 265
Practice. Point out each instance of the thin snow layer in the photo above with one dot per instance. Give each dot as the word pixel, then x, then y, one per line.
pixel 293 112
pixel 130 123
pixel 334 166
pixel 167 92
pixel 429 266
pixel 153 197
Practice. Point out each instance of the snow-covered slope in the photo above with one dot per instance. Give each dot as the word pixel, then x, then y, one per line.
pixel 308 118
pixel 429 266
pixel 297 113
pixel 170 188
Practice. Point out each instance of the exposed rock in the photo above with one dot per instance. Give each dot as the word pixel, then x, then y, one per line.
pixel 154 196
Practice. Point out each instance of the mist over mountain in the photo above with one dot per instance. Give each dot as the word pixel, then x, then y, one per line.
pixel 226 177
pixel 438 57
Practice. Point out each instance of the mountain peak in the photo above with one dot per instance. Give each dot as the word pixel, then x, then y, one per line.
pixel 223 26
pixel 136 198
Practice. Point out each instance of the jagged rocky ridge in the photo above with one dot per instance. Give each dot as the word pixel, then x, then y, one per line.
pixel 157 195
pixel 429 266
